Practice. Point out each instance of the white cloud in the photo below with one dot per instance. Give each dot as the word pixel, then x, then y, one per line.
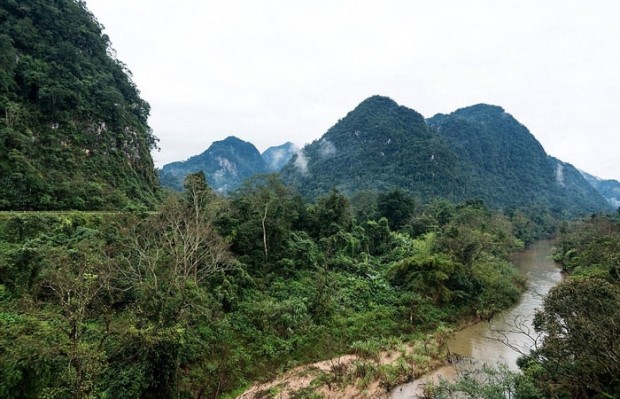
pixel 559 174
pixel 277 155
pixel 301 162
pixel 326 148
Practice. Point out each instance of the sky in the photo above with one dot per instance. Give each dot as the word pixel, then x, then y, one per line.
pixel 273 71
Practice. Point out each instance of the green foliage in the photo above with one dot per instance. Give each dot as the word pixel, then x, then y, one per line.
pixel 578 356
pixel 591 249
pixel 208 293
pixel 396 206
pixel 488 383
pixel 262 214
pixel 73 128
pixel 331 214
pixel 378 146
pixel 507 166
pixel 475 152
pixel 579 352
pixel 465 263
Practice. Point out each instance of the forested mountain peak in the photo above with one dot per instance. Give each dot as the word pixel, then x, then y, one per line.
pixel 508 165
pixel 490 135
pixel 235 145
pixel 226 163
pixel 379 145
pixel 73 128
pixel 491 120
pixel 384 113
pixel 480 109
pixel 376 103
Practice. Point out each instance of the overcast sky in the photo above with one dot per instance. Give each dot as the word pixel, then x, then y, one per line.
pixel 275 71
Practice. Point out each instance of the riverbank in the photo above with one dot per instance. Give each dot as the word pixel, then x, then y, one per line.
pixel 503 339
pixel 364 374
pixel 403 369
pixel 389 370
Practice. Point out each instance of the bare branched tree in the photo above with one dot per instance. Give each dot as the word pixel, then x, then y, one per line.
pixel 179 244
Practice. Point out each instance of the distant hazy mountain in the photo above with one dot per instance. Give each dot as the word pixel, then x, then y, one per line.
pixel 276 157
pixel 508 166
pixel 476 152
pixel 609 189
pixel 226 164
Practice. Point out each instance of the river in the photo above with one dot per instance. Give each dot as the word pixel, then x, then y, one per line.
pixel 480 343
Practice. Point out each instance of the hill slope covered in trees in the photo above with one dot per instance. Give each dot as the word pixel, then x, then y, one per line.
pixel 277 156
pixel 509 166
pixel 479 152
pixel 379 145
pixel 608 188
pixel 73 128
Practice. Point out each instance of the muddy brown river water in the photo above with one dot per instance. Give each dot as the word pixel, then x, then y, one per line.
pixel 480 343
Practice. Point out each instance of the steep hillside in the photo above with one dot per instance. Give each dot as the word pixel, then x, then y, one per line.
pixel 510 167
pixel 73 128
pixel 505 157
pixel 225 163
pixel 379 145
pixel 609 189
pixel 276 157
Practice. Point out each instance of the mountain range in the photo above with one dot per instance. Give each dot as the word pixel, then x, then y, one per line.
pixel 477 152
pixel 379 145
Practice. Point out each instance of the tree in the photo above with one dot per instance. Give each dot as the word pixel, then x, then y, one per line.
pixel 488 383
pixel 78 281
pixel 331 213
pixel 426 272
pixel 174 260
pixel 8 60
pixel 364 204
pixel 178 248
pixel 54 335
pixel 263 213
pixel 397 206
pixel 580 353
